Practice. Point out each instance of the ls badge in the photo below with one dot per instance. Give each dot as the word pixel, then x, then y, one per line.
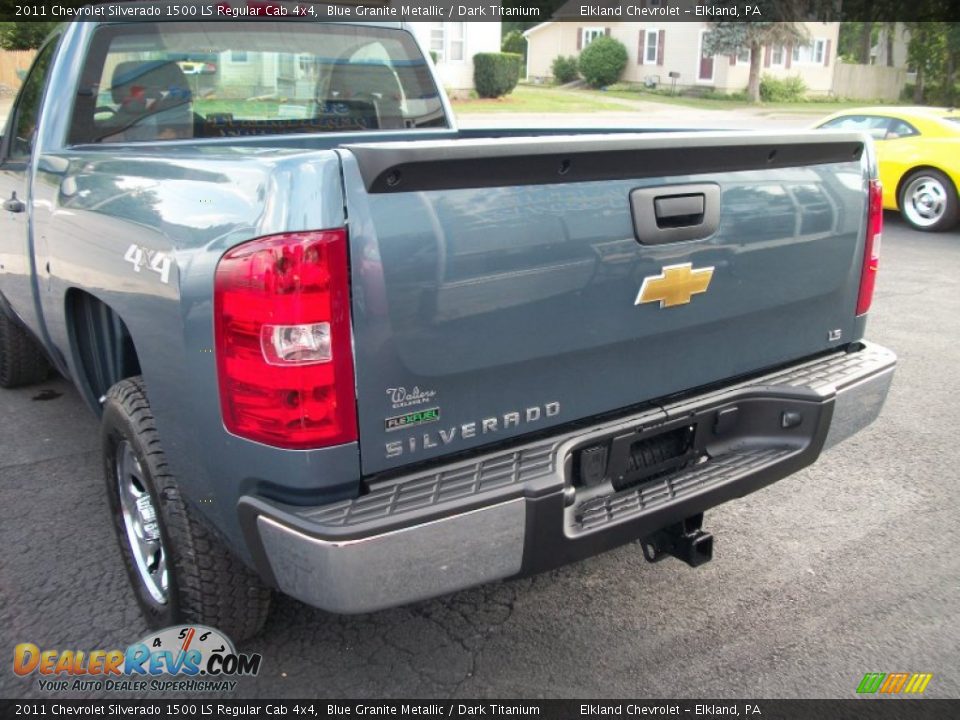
pixel 675 285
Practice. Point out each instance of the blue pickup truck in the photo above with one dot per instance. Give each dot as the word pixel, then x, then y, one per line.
pixel 341 349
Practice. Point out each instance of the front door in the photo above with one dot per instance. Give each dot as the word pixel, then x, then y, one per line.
pixel 705 69
pixel 16 253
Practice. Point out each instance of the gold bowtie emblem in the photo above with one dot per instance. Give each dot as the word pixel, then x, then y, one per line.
pixel 675 285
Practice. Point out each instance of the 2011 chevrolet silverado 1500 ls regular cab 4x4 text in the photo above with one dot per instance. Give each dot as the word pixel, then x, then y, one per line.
pixel 342 349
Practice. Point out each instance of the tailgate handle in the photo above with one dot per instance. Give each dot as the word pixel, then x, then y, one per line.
pixel 679 210
pixel 674 213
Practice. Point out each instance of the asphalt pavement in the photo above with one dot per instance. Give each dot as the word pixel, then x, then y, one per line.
pixel 848 567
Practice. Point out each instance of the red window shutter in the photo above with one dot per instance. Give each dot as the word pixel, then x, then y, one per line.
pixel 766 56
pixel 788 58
pixel 826 54
pixel 579 38
pixel 606 31
pixel 733 58
pixel 641 47
pixel 660 38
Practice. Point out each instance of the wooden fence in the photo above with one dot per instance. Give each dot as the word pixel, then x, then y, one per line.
pixel 13 64
pixel 868 82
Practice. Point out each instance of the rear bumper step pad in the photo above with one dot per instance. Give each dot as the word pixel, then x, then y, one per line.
pixel 524 510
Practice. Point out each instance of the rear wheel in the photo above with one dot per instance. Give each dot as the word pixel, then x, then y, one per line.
pixel 179 569
pixel 22 362
pixel 928 201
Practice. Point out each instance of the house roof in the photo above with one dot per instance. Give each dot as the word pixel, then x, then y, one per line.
pixel 530 31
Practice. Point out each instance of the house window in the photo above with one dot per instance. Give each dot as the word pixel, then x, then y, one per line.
pixel 743 55
pixel 447 40
pixel 437 36
pixel 813 53
pixel 238 56
pixel 819 47
pixel 650 47
pixel 777 55
pixel 455 40
pixel 592 33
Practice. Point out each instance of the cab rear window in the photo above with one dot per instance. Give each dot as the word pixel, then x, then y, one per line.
pixel 170 81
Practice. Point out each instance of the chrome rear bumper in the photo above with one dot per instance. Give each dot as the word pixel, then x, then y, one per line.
pixel 516 511
pixel 380 571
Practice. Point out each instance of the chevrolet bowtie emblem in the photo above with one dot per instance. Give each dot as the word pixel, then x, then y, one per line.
pixel 675 285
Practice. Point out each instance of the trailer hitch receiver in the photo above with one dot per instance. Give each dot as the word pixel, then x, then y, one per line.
pixel 685 541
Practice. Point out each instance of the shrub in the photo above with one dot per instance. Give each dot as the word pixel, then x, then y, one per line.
pixel 603 61
pixel 739 96
pixel 495 74
pixel 435 56
pixel 791 89
pixel 564 69
pixel 514 42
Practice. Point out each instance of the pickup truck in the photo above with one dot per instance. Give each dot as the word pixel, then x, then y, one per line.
pixel 341 349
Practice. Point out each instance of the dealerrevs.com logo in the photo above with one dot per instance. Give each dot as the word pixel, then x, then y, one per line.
pixel 182 658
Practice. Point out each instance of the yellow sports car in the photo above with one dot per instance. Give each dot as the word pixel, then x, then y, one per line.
pixel 918 149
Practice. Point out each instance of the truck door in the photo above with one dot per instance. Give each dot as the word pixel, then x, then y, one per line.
pixel 16 151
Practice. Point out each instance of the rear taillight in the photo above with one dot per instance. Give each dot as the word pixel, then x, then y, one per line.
pixel 284 355
pixel 871 253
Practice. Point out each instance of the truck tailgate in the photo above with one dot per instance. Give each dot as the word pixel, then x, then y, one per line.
pixel 504 286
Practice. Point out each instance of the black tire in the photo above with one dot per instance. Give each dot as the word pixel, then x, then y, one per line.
pixel 928 201
pixel 206 583
pixel 22 362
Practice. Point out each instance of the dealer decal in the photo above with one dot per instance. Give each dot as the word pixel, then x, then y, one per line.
pixel 176 659
pixel 417 417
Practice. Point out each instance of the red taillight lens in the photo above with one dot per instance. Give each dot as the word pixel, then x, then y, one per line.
pixel 284 355
pixel 871 253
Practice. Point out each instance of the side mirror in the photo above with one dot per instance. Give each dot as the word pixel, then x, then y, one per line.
pixel 52 164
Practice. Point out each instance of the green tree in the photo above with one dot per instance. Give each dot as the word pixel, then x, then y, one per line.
pixel 889 35
pixel 732 36
pixel 927 53
pixel 951 58
pixel 24 36
pixel 546 8
pixel 866 43
pixel 856 39
pixel 847 41
pixel 514 42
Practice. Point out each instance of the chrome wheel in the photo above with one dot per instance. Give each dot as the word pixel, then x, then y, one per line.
pixel 925 201
pixel 140 521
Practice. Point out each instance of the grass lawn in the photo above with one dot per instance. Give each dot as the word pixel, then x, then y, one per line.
pixel 535 99
pixel 811 107
pixel 531 99
pixel 247 109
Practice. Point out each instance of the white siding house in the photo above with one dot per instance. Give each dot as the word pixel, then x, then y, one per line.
pixel 455 44
pixel 657 49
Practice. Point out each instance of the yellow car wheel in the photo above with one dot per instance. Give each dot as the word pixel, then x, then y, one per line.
pixel 928 201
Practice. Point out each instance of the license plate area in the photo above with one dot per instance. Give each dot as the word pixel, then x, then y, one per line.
pixel 690 439
pixel 630 458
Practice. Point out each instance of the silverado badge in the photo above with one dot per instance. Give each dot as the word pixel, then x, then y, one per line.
pixel 675 285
